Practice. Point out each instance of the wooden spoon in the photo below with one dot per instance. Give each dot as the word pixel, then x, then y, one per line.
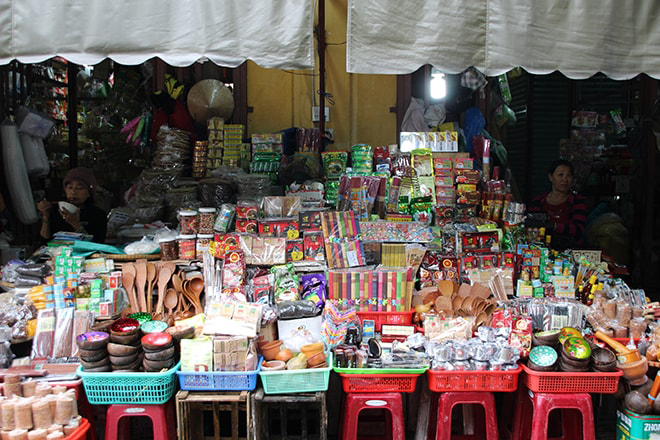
pixel 140 280
pixel 128 279
pixel 163 278
pixel 171 300
pixel 151 280
pixel 196 287
pixel 177 282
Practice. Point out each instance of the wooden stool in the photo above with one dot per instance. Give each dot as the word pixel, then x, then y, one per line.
pixel 262 402
pixel 190 407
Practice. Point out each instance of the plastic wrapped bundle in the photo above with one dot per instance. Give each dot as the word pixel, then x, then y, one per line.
pixel 180 198
pixel 34 154
pixel 252 186
pixel 173 148
pixel 16 175
pixel 215 192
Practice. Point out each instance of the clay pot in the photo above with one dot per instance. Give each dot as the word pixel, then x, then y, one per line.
pixel 270 350
pixel 315 360
pixel 284 355
pixel 273 366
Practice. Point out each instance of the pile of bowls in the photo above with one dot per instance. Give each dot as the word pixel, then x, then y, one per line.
pixel 603 359
pixel 159 352
pixel 575 355
pixel 124 347
pixel 315 354
pixel 93 351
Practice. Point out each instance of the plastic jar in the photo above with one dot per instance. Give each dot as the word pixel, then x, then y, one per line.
pixel 187 222
pixel 206 220
pixel 169 250
pixel 203 244
pixel 187 246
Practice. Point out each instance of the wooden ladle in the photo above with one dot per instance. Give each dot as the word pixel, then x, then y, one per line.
pixel 140 280
pixel 128 279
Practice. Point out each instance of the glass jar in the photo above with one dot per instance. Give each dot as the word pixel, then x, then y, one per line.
pixel 169 250
pixel 187 247
pixel 206 220
pixel 203 244
pixel 187 222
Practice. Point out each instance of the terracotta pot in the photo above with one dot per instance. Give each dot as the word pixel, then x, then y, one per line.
pixel 273 366
pixel 635 372
pixel 271 349
pixel 315 360
pixel 310 350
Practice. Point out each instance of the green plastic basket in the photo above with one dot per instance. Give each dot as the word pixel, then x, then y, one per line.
pixel 308 380
pixel 129 388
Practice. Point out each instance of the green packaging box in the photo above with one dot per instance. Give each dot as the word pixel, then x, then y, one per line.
pixel 633 426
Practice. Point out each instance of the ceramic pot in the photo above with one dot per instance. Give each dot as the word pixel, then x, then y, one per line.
pixel 273 366
pixel 271 349
pixel 315 360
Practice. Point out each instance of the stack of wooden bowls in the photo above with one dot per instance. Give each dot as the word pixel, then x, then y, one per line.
pixel 93 351
pixel 124 347
pixel 159 352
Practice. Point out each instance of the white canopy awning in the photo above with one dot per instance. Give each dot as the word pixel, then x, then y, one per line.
pixel 577 37
pixel 272 33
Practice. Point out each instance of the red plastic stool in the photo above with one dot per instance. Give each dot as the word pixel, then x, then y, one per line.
pixel 536 407
pixel 162 417
pixel 356 402
pixel 446 403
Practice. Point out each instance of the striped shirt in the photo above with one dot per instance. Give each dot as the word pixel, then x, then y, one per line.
pixel 570 223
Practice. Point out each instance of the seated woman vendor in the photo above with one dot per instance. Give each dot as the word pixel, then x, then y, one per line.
pixel 566 211
pixel 83 217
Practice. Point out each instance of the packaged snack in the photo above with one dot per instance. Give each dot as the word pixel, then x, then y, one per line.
pixel 422 161
pixel 314 288
pixel 334 164
pixel 362 158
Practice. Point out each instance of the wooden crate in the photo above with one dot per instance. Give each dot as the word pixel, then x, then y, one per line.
pixel 285 404
pixel 191 406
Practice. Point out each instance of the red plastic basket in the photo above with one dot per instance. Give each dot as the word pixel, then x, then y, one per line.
pixel 79 433
pixel 378 383
pixel 496 381
pixel 393 318
pixel 559 382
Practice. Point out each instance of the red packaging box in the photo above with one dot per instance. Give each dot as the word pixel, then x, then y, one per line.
pixel 314 246
pixel 294 250
pixel 279 228
pixel 247 226
pixel 310 220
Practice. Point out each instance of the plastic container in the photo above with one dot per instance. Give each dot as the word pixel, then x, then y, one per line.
pixel 377 380
pixel 496 381
pixel 297 381
pixel 187 222
pixel 129 388
pixel 187 247
pixel 206 220
pixel 559 382
pixel 393 318
pixel 220 380
pixel 169 249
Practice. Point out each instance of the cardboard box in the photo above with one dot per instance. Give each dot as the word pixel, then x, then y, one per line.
pixel 633 426
pixel 268 332
pixel 288 326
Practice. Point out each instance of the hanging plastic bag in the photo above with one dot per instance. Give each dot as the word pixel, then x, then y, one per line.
pixel 16 175
pixel 34 123
pixel 34 154
pixel 413 120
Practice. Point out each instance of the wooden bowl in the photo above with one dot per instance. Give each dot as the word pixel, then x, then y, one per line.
pixel 635 372
pixel 96 364
pixel 123 360
pixel 155 366
pixel 103 326
pixel 125 326
pixel 533 366
pixel 92 340
pixel 576 348
pixel 156 341
pixel 162 355
pixel 179 332
pixel 132 367
pixel 121 350
pixel 125 339
pixel 601 356
pixel 104 369
pixel 93 355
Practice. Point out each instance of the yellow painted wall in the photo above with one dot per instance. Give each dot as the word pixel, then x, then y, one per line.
pixel 361 109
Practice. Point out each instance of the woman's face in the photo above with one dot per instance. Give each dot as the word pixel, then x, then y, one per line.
pixel 561 179
pixel 76 192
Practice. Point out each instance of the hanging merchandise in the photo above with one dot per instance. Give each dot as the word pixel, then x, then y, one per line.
pixel 16 174
pixel 505 90
pixel 34 153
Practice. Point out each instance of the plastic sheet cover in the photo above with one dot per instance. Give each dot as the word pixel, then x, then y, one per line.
pixel 578 38
pixel 272 33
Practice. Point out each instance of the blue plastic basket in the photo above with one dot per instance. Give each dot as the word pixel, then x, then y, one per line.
pixel 128 388
pixel 219 380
